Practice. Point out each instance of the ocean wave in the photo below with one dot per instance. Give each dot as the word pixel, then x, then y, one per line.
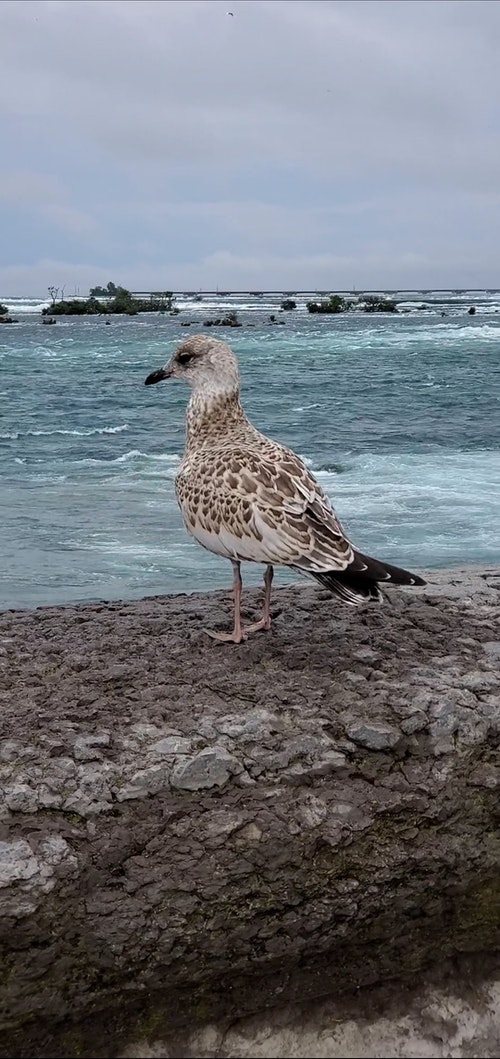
pixel 24 305
pixel 16 434
pixel 305 407
pixel 135 454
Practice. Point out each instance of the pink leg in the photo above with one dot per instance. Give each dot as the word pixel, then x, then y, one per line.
pixel 265 622
pixel 237 635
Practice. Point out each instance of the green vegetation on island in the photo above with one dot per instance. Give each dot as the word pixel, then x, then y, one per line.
pixel 114 300
pixel 4 316
pixel 108 291
pixel 367 303
pixel 373 303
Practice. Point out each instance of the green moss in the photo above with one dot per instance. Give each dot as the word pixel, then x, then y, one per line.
pixel 75 819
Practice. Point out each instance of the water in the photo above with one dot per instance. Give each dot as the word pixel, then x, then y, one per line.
pixel 398 416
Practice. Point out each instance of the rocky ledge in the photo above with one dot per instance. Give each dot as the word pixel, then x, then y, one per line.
pixel 193 832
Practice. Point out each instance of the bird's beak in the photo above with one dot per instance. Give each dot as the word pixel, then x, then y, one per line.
pixel 158 376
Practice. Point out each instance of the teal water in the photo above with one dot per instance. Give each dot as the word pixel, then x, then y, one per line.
pixel 399 417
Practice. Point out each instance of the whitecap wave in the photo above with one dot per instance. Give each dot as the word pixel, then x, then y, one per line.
pixel 305 407
pixel 135 454
pixel 25 305
pixel 16 434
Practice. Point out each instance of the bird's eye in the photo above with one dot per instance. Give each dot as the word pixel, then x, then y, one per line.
pixel 184 358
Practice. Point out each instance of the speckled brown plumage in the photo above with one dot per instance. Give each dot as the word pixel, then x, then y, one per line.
pixel 248 498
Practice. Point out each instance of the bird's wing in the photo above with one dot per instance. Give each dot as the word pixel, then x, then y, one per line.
pixel 262 507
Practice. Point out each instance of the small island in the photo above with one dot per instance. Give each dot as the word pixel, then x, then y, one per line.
pixel 5 318
pixel 366 303
pixel 229 320
pixel 113 299
pixel 106 301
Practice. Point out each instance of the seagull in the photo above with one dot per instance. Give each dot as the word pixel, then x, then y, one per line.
pixel 250 499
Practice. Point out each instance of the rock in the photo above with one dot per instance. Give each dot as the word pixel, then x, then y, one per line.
pixel 20 798
pixel 17 862
pixel 88 747
pixel 212 767
pixel 366 655
pixel 415 723
pixel 171 745
pixel 492 648
pixel 331 761
pixel 143 783
pixel 191 833
pixel 374 736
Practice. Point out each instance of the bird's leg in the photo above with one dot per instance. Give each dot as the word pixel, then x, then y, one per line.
pixel 265 622
pixel 237 635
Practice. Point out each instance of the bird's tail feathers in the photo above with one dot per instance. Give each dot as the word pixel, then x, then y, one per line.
pixel 359 583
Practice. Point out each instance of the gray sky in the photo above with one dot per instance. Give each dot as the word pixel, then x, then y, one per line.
pixel 325 143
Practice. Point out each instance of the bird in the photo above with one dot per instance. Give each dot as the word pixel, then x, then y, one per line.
pixel 248 498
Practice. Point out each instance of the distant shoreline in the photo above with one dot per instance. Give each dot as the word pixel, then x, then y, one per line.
pixel 303 291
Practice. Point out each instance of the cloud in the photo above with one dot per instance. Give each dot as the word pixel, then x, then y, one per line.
pixel 76 222
pixel 45 197
pixel 27 188
pixel 230 271
pixel 294 131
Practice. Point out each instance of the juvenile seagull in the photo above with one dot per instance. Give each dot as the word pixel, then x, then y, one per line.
pixel 248 498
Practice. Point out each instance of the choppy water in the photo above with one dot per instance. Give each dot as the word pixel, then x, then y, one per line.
pixel 399 417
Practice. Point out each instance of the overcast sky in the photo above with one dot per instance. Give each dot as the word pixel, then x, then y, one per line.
pixel 325 143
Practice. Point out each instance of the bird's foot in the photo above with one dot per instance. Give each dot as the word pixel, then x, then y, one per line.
pixel 227 637
pixel 264 623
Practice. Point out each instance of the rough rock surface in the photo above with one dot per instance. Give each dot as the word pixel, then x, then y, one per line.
pixel 191 831
pixel 443 1020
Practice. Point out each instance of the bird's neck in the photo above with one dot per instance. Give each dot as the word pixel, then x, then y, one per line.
pixel 212 417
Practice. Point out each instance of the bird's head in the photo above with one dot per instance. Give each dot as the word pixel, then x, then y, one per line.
pixel 207 365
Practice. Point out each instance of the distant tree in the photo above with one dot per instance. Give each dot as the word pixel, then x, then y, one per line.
pixel 122 301
pixel 373 303
pixel 332 305
pixel 53 291
pixel 108 291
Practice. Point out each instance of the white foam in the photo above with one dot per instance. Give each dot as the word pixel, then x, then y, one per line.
pixel 15 435
pixel 24 305
pixel 305 407
pixel 403 503
pixel 135 454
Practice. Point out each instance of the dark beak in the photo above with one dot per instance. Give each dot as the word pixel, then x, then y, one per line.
pixel 157 376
